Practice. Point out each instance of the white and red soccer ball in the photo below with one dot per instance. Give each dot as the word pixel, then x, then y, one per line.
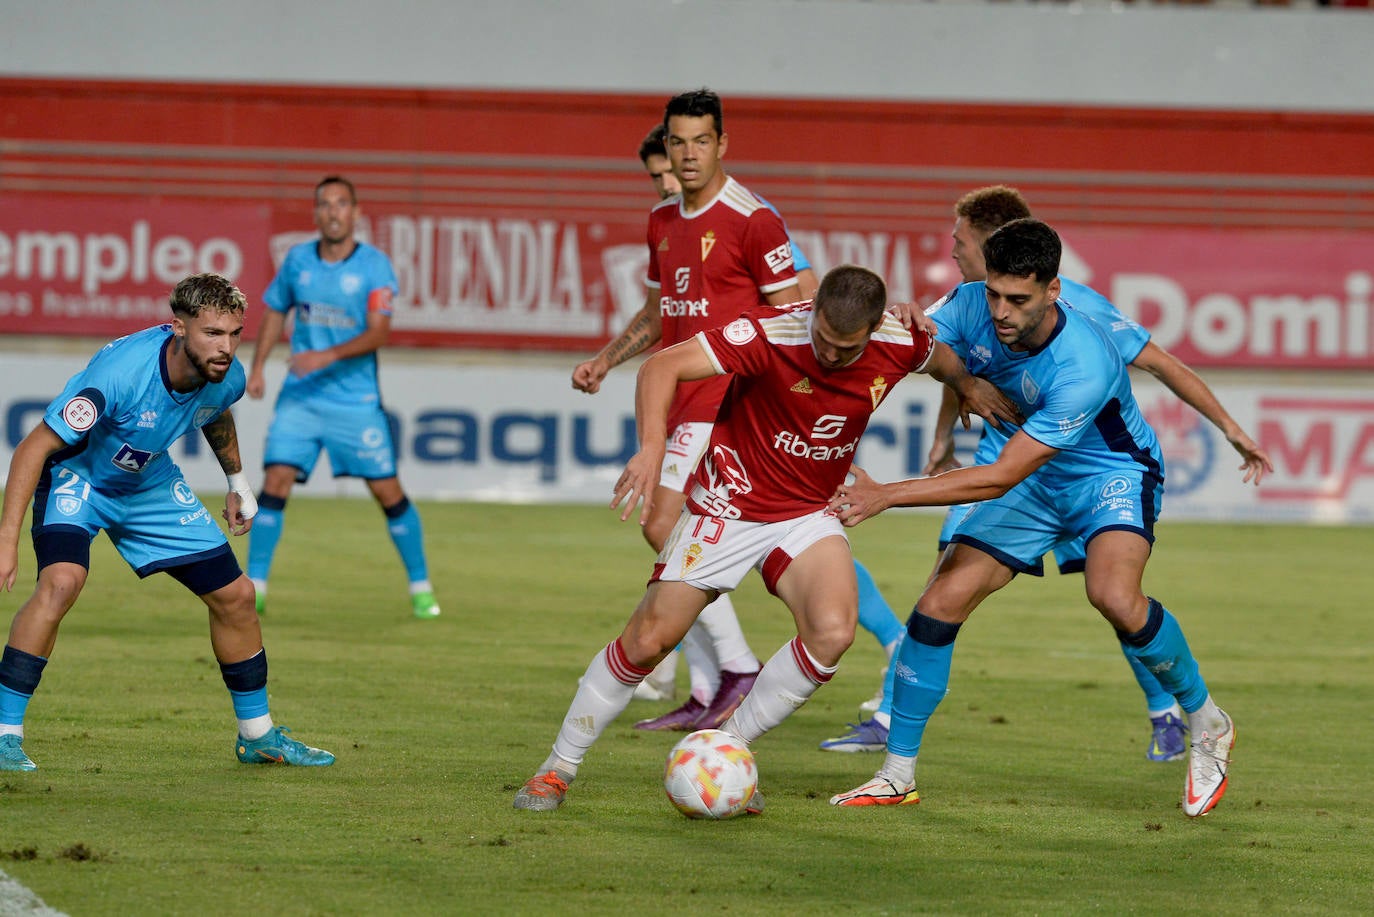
pixel 710 774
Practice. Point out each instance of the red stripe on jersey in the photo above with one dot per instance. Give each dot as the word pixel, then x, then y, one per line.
pixel 803 660
pixel 620 665
pixel 774 566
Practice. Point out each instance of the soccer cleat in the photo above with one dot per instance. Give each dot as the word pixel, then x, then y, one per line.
pixel 260 596
pixel 423 605
pixel 683 719
pixel 1208 763
pixel 542 793
pixel 647 690
pixel 880 791
pixel 755 804
pixel 1168 734
pixel 276 748
pixel 730 694
pixel 12 757
pixel 870 735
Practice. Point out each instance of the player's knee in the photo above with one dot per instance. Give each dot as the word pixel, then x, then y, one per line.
pixel 59 586
pixel 829 640
pixel 233 601
pixel 1118 603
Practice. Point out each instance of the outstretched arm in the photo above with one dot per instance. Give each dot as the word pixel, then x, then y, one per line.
pixel 853 503
pixel 1189 387
pixel 240 506
pixel 644 331
pixel 26 466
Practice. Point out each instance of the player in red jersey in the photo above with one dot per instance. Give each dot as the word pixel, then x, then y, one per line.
pixel 715 250
pixel 803 384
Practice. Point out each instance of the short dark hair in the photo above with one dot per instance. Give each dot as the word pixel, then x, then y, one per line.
pixel 698 103
pixel 852 298
pixel 337 180
pixel 652 144
pixel 206 291
pixel 1024 247
pixel 988 208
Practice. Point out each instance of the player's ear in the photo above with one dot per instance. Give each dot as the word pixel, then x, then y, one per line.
pixel 1053 288
pixel 724 142
pixel 178 327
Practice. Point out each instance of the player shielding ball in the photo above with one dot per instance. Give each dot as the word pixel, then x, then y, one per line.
pixel 99 461
pixel 1085 464
pixel 805 382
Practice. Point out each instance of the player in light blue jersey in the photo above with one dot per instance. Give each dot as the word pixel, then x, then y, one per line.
pixel 977 214
pixel 98 461
pixel 340 290
pixel 1084 464
pixel 717 635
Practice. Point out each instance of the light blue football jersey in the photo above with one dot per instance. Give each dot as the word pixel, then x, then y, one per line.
pixel 119 415
pixel 1128 337
pixel 330 303
pixel 1074 390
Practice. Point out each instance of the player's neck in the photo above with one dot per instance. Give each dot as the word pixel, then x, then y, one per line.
pixel 693 201
pixel 182 376
pixel 334 252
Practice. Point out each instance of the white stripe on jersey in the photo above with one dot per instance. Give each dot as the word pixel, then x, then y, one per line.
pixel 739 198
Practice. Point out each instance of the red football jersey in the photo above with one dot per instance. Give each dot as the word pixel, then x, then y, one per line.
pixel 709 266
pixel 788 427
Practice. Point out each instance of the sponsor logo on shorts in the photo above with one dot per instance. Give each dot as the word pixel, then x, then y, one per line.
pixel 372 437
pixel 68 506
pixel 80 414
pixel 182 493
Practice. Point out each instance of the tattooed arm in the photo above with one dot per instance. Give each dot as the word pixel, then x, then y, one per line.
pixel 240 506
pixel 644 331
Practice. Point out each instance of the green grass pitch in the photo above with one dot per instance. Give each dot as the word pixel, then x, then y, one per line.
pixel 1037 797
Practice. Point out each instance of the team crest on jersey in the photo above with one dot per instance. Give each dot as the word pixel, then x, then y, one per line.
pixel 877 390
pixel 204 415
pixel 690 557
pixel 1030 389
pixel 803 387
pixel 708 242
pixel 740 331
pixel 80 413
pixel 350 283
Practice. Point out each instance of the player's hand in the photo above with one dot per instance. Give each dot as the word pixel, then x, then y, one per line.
pixel 1256 464
pixel 912 316
pixel 863 499
pixel 637 483
pixel 941 456
pixel 257 385
pixel 981 397
pixel 310 361
pixel 9 565
pixel 587 376
pixel 239 524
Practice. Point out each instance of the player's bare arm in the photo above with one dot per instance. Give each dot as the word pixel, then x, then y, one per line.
pixel 269 333
pixel 240 506
pixel 374 338
pixel 975 395
pixel 654 390
pixel 784 296
pixel 865 497
pixel 644 331
pixel 26 466
pixel 912 317
pixel 1189 387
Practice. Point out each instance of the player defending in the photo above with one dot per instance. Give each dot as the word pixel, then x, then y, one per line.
pixel 1084 465
pixel 805 382
pixel 341 291
pixel 715 250
pixel 98 460
pixel 977 214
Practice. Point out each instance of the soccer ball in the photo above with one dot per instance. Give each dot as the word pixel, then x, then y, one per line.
pixel 710 774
